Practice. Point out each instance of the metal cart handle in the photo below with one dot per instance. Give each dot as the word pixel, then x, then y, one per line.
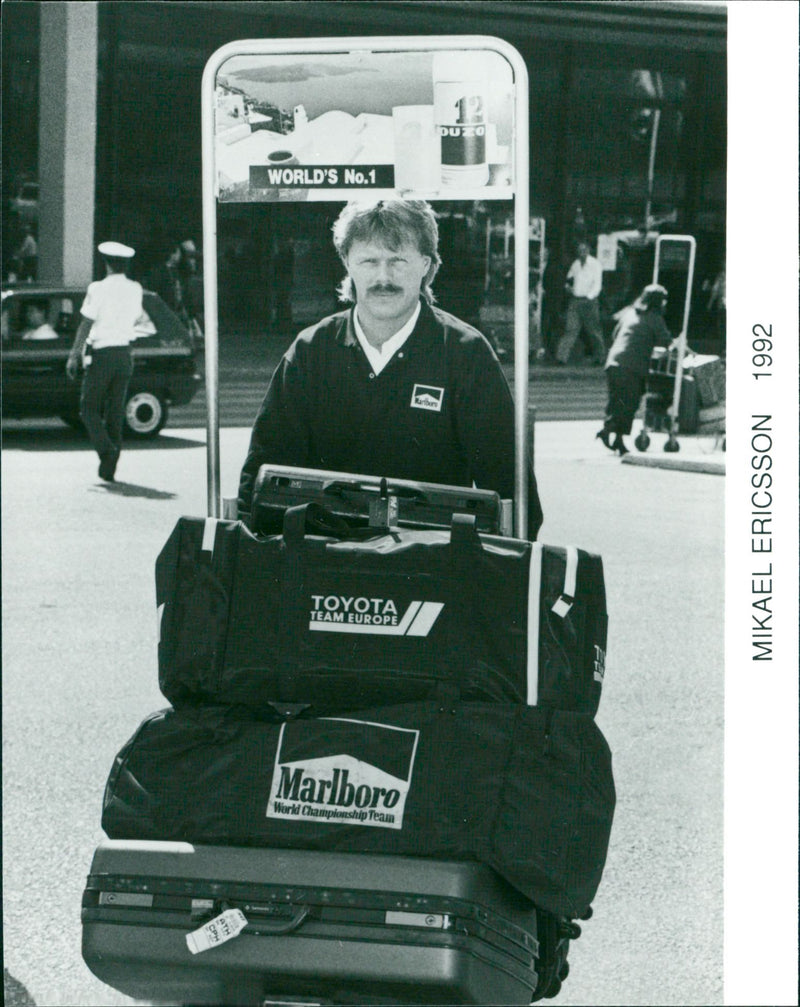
pixel 686 239
pixel 429 43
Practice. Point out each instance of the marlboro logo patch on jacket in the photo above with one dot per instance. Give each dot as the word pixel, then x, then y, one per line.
pixel 427 397
pixel 349 771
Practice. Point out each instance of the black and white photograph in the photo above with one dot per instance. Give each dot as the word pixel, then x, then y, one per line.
pixel 276 133
pixel 399 534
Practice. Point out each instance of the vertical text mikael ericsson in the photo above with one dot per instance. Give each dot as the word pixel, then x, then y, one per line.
pixel 761 536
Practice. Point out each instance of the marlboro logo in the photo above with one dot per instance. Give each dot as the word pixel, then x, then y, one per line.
pixel 427 397
pixel 334 613
pixel 343 771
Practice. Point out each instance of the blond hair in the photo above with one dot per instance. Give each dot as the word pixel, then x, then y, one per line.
pixel 392 223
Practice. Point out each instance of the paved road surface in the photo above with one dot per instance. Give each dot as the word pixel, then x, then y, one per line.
pixel 80 673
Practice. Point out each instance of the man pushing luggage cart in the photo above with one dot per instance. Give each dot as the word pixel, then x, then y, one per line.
pixel 393 385
pixel 339 853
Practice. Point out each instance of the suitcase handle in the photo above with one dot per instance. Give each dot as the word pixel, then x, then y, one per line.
pixel 276 927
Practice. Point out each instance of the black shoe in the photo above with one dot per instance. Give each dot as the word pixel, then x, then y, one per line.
pixel 602 435
pixel 108 466
pixel 619 445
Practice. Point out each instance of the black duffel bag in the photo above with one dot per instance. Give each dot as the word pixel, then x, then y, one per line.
pixel 525 790
pixel 357 618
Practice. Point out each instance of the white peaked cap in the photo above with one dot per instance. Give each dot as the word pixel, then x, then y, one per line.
pixel 116 250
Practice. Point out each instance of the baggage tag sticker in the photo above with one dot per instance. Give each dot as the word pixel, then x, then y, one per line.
pixel 222 928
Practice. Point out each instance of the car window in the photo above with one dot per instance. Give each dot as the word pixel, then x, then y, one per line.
pixel 144 326
pixel 36 321
pixel 12 319
pixel 171 333
pixel 66 317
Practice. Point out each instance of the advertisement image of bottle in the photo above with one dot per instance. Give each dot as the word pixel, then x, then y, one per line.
pixel 460 113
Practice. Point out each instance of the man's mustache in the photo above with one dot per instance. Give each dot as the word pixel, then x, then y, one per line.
pixel 384 288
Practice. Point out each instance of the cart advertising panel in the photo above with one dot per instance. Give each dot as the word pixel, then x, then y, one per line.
pixel 439 118
pixel 432 125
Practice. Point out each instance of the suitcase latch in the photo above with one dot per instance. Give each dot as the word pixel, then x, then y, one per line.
pixel 141 899
pixel 432 921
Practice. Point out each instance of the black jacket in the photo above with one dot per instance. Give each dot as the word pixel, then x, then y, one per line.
pixel 637 332
pixel 440 411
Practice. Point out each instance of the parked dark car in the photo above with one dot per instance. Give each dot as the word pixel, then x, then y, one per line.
pixel 35 382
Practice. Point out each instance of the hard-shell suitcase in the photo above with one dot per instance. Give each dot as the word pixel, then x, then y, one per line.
pixel 361 499
pixel 320 927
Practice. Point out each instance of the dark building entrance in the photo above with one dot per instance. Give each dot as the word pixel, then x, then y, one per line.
pixel 601 75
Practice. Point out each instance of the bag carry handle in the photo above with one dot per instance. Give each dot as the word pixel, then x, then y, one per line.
pixel 312 519
pixel 464 533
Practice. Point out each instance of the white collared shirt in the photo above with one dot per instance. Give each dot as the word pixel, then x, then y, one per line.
pixel 587 277
pixel 113 305
pixel 379 356
pixel 44 331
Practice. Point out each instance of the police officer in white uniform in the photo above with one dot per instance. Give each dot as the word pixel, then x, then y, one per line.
pixel 110 311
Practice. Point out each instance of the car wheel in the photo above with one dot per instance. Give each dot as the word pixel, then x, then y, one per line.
pixel 145 414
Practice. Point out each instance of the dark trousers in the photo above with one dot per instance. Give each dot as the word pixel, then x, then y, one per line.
pixel 582 313
pixel 103 393
pixel 625 391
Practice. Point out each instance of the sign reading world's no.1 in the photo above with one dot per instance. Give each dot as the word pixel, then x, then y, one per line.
pixel 431 123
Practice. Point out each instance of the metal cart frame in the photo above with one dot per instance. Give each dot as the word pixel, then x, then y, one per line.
pixel 519 193
pixel 642 441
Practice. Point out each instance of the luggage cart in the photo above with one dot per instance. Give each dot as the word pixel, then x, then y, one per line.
pixel 139 877
pixel 701 408
pixel 666 370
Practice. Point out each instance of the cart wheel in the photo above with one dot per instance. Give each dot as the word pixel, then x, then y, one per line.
pixel 642 442
pixel 672 446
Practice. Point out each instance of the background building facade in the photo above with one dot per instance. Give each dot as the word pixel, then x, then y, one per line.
pixel 603 76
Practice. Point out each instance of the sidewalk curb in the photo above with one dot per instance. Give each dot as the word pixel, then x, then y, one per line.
pixel 682 464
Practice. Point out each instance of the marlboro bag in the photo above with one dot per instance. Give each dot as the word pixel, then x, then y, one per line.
pixel 525 790
pixel 401 615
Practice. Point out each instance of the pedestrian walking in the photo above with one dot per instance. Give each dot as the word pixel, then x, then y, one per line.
pixel 640 327
pixel 584 283
pixel 184 268
pixel 110 311
pixel 27 255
